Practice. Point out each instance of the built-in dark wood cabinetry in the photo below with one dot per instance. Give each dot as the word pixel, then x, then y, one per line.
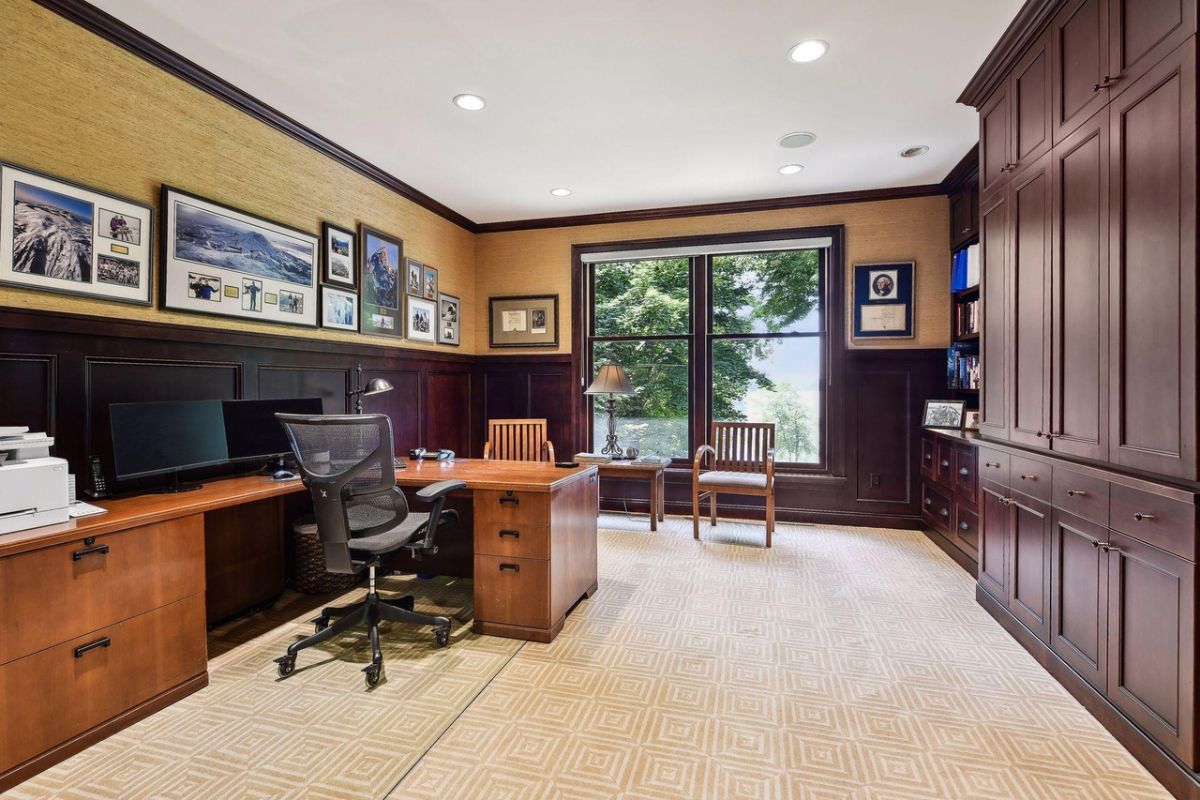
pixel 964 213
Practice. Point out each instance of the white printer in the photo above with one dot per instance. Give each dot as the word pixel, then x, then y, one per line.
pixel 33 493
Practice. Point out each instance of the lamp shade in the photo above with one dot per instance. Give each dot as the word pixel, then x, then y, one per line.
pixel 611 380
pixel 377 386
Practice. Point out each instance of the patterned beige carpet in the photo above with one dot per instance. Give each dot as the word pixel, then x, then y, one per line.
pixel 843 663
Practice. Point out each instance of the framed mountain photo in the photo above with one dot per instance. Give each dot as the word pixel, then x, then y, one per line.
pixel 381 297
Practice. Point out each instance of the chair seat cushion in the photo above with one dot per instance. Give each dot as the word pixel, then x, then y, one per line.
pixel 742 480
pixel 388 541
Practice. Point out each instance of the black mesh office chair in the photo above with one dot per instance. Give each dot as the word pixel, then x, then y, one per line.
pixel 362 517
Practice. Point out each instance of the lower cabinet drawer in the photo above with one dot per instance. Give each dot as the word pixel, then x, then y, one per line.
pixel 935 507
pixel 521 541
pixel 512 591
pixel 512 509
pixel 966 530
pixel 1031 478
pixel 50 696
pixel 1082 495
pixel 1161 521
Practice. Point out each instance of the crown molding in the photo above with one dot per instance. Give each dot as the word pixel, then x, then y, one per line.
pixel 1028 23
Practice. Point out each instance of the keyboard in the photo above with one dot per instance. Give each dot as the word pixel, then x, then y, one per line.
pixel 398 463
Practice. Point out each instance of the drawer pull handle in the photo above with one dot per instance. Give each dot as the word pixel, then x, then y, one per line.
pixel 929 456
pixel 510 567
pixel 1104 84
pixel 928 501
pixel 1139 516
pixel 98 550
pixel 513 534
pixel 962 526
pixel 1029 477
pixel 995 464
pixel 1076 493
pixel 1107 547
pixel 964 471
pixel 103 641
pixel 945 463
pixel 944 512
pixel 510 500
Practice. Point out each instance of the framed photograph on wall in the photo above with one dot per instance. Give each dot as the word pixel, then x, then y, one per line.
pixel 422 319
pixel 415 275
pixel 339 309
pixel 429 283
pixel 381 298
pixel 883 300
pixel 59 236
pixel 944 414
pixel 449 319
pixel 338 258
pixel 523 321
pixel 206 244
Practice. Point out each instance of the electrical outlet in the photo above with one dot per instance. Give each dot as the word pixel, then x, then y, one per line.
pixel 875 480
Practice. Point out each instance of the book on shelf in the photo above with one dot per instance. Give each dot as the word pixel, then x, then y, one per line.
pixel 964 268
pixel 962 368
pixel 966 317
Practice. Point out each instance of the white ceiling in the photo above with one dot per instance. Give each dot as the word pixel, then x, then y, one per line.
pixel 629 103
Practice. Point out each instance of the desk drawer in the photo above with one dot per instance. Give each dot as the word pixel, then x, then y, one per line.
pixel 512 509
pixel 52 695
pixel 993 465
pixel 935 506
pixel 1160 521
pixel 966 530
pixel 57 593
pixel 966 479
pixel 1081 495
pixel 520 541
pixel 943 470
pixel 1031 477
pixel 512 591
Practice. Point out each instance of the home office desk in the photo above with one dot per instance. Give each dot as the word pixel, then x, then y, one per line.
pixel 102 619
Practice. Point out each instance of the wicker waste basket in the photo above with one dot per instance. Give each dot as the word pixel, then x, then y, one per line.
pixel 308 566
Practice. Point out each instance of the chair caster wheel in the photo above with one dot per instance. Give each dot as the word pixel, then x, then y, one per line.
pixel 320 624
pixel 374 673
pixel 442 635
pixel 287 665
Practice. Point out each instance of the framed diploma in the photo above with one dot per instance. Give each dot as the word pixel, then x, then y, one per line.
pixel 883 300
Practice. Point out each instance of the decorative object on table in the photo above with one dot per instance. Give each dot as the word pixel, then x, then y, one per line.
pixel 206 243
pixel 374 386
pixel 611 380
pixel 593 458
pixel 429 282
pixel 64 237
pixel 381 307
pixel 421 318
pixel 449 319
pixel 972 420
pixel 883 300
pixel 338 256
pixel 415 275
pixel 943 414
pixel 339 309
pixel 632 453
pixel 523 321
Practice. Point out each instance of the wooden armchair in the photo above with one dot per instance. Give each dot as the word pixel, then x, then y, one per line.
pixel 518 440
pixel 741 461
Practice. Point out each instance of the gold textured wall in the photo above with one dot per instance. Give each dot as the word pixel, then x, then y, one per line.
pixel 76 106
pixel 914 229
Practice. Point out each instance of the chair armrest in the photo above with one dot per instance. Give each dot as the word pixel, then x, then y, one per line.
pixel 770 465
pixel 487 450
pixel 548 448
pixel 440 489
pixel 700 451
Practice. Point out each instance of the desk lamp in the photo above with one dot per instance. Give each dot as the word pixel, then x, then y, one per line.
pixel 374 386
pixel 611 381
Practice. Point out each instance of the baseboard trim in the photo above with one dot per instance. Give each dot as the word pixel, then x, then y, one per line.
pixel 947 547
pixel 1178 780
pixel 807 516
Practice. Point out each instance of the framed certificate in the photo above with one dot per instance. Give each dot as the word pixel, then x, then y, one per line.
pixel 883 300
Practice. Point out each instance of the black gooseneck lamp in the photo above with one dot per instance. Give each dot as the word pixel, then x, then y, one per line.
pixel 374 386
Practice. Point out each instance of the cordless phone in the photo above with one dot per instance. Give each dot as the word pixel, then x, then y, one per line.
pixel 95 484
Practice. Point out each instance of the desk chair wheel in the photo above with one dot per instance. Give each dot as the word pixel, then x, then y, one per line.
pixel 287 665
pixel 320 624
pixel 374 673
pixel 442 635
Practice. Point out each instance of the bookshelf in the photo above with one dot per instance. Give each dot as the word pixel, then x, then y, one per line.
pixel 963 365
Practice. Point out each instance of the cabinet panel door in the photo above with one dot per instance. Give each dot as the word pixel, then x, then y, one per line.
pixel 1152 639
pixel 1142 32
pixel 1029 289
pixel 993 246
pixel 1079 47
pixel 1152 267
pixel 1030 105
pixel 1029 564
pixel 1079 293
pixel 993 546
pixel 994 152
pixel 1079 596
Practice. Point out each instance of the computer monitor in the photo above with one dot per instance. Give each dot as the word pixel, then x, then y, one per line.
pixel 252 432
pixel 166 437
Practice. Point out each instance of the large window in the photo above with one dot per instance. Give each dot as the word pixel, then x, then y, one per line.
pixel 740 332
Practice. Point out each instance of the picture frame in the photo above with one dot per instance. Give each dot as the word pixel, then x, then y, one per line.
pixel 421 320
pixel 449 320
pixel 204 241
pixel 429 283
pixel 946 414
pixel 109 239
pixel 414 283
pixel 523 321
pixel 381 299
pixel 971 420
pixel 339 259
pixel 339 308
pixel 883 300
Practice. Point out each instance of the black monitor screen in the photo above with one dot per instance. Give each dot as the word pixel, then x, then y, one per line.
pixel 153 438
pixel 251 430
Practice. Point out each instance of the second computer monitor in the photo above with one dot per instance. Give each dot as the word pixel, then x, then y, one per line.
pixel 252 432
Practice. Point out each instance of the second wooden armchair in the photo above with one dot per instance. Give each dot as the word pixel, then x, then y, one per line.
pixel 741 461
pixel 518 440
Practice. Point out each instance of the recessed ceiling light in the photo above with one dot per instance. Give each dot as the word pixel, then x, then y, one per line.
pixel 914 151
pixel 791 169
pixel 798 139
pixel 469 102
pixel 560 192
pixel 808 50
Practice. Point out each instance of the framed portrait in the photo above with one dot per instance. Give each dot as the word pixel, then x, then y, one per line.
pixel 944 414
pixel 448 320
pixel 429 283
pixel 415 272
pixel 64 237
pixel 338 258
pixel 421 319
pixel 381 298
pixel 206 244
pixel 523 321
pixel 339 309
pixel 883 300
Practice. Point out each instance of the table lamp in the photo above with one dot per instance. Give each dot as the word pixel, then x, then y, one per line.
pixel 611 381
pixel 374 386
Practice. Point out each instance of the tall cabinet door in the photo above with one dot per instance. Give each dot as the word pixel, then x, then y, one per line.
pixel 1030 98
pixel 993 246
pixel 995 153
pixel 1029 564
pixel 1079 596
pixel 993 546
pixel 1029 291
pixel 1079 293
pixel 1079 50
pixel 1152 266
pixel 1152 642
pixel 1142 32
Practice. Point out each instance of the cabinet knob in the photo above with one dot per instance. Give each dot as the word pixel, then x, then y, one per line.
pixel 928 501
pixel 964 231
pixel 964 471
pixel 1076 493
pixel 945 463
pixel 1139 516
pixel 962 526
pixel 944 512
pixel 929 457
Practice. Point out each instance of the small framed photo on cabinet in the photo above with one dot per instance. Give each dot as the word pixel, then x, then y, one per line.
pixel 944 414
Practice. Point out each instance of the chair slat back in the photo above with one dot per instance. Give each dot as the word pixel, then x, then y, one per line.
pixel 517 439
pixel 742 446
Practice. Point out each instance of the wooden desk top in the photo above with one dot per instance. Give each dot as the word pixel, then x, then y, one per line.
pixel 146 509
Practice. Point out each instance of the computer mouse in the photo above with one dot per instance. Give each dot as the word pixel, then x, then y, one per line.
pixel 283 475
